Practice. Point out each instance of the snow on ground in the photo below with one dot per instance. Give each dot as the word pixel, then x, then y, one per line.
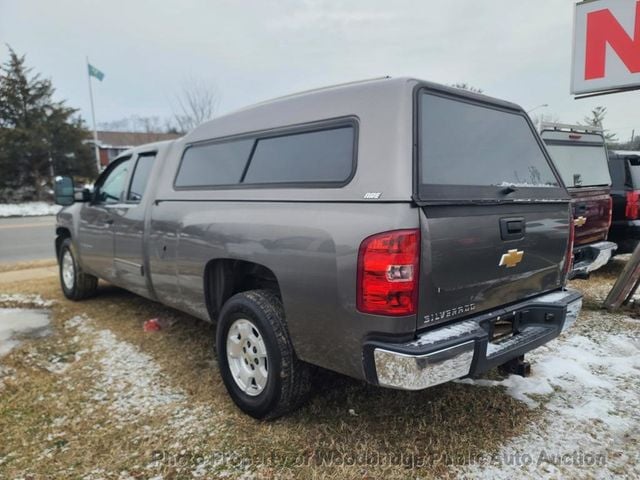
pixel 131 385
pixel 128 381
pixel 18 322
pixel 28 209
pixel 15 322
pixel 26 300
pixel 591 403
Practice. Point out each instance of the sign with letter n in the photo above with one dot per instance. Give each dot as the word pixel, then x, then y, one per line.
pixel 606 46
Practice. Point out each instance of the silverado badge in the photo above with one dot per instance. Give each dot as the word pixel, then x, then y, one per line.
pixel 580 221
pixel 511 258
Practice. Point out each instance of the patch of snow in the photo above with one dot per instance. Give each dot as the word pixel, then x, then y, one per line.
pixel 59 364
pixel 28 209
pixel 16 321
pixel 131 383
pixel 75 322
pixel 132 386
pixel 24 299
pixel 97 474
pixel 129 379
pixel 445 333
pixel 525 184
pixel 6 373
pixel 592 412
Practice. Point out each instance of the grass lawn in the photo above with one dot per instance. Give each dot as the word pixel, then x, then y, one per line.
pixel 100 398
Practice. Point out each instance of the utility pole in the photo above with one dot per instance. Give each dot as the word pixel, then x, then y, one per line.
pixel 93 118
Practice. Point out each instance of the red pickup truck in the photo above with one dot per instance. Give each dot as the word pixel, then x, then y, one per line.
pixel 579 154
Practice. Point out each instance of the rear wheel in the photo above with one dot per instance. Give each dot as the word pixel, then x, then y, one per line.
pixel 257 363
pixel 76 285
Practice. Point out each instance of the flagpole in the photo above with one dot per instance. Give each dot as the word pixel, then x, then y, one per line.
pixel 93 117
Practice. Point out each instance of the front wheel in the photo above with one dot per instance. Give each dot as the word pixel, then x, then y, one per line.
pixel 75 284
pixel 257 363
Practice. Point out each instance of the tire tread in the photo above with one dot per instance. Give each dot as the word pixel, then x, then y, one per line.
pixel 86 285
pixel 295 375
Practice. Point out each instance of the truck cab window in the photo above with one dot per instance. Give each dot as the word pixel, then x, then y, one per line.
pixel 140 177
pixel 113 185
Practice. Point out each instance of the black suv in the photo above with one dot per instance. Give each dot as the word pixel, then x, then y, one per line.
pixel 624 167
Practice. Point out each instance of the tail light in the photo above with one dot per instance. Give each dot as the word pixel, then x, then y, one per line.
pixel 568 261
pixel 632 210
pixel 610 217
pixel 388 273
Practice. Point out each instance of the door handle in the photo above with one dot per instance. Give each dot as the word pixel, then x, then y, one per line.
pixel 515 226
pixel 512 228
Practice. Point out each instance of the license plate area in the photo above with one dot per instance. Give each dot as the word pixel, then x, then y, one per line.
pixel 501 328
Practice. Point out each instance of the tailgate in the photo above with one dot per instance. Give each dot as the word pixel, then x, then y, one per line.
pixel 591 213
pixel 478 257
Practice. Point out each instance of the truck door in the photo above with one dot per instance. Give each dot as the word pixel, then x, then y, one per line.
pixel 95 228
pixel 128 227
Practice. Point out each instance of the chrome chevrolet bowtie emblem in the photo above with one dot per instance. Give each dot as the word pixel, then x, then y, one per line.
pixel 580 221
pixel 511 258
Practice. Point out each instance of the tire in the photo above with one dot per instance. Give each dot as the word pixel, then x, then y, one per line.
pixel 76 285
pixel 258 316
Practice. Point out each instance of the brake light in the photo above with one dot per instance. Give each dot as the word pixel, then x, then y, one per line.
pixel 568 261
pixel 388 265
pixel 610 213
pixel 632 210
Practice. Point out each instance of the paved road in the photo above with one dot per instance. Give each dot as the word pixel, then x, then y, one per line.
pixel 26 238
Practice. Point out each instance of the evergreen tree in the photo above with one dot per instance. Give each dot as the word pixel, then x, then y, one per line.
pixel 595 120
pixel 39 137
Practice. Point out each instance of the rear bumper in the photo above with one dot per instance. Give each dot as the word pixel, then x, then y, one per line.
pixel 588 258
pixel 463 348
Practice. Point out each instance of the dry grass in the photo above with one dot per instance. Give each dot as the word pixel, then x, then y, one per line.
pixel 51 426
pixel 595 290
pixel 12 267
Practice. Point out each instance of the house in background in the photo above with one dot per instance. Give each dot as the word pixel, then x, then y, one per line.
pixel 112 144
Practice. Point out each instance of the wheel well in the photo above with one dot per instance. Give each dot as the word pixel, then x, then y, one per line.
pixel 223 278
pixel 61 234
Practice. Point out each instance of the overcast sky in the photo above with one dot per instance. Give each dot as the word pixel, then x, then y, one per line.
pixel 255 50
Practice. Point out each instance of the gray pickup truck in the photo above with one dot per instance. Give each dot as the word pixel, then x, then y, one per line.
pixel 393 230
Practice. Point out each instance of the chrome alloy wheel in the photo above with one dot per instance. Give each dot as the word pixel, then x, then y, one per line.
pixel 247 357
pixel 68 270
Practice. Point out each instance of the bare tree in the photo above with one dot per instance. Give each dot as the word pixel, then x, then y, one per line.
pixel 197 102
pixel 136 123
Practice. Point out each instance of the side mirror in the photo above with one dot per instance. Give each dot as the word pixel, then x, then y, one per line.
pixel 64 191
pixel 83 195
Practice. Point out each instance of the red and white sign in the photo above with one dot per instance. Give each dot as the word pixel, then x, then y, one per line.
pixel 606 46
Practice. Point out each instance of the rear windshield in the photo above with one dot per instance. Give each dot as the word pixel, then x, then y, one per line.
pixel 468 144
pixel 581 165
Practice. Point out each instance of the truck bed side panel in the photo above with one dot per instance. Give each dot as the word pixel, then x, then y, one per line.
pixel 311 247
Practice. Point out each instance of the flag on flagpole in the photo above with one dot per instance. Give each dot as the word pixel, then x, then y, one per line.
pixel 94 72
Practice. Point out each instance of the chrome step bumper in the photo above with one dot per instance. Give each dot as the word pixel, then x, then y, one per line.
pixel 591 258
pixel 463 348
